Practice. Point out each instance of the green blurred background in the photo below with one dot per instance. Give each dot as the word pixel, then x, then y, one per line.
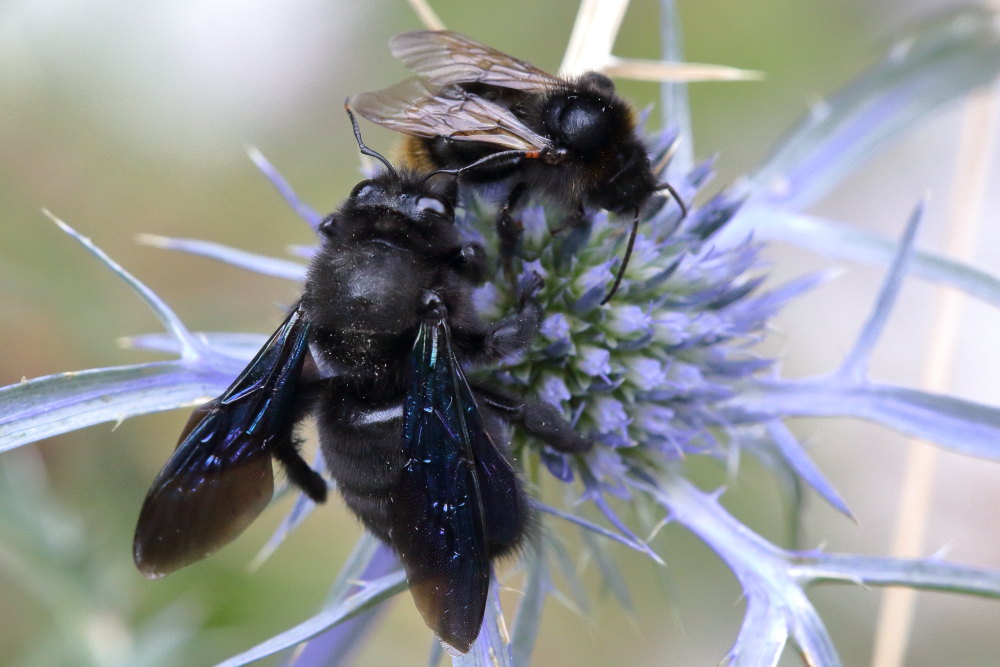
pixel 128 118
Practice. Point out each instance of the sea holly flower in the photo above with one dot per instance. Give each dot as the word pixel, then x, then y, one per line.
pixel 665 372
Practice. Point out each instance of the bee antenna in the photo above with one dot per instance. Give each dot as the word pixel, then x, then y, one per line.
pixel 634 232
pixel 446 172
pixel 488 159
pixel 361 144
pixel 628 255
pixel 680 202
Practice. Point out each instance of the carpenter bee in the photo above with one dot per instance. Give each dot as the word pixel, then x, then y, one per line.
pixel 487 116
pixel 376 351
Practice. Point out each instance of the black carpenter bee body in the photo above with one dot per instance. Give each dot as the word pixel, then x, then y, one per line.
pixel 376 351
pixel 487 116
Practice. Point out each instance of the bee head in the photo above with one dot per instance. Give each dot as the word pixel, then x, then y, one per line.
pixel 630 181
pixel 402 209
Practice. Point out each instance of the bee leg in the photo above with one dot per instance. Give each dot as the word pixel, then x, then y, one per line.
pixel 575 220
pixel 515 332
pixel 286 447
pixel 286 450
pixel 575 233
pixel 538 418
pixel 510 230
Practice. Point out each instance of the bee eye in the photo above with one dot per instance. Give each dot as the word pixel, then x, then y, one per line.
pixel 436 206
pixel 581 123
pixel 362 190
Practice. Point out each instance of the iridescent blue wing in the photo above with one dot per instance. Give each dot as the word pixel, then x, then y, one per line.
pixel 437 519
pixel 219 479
